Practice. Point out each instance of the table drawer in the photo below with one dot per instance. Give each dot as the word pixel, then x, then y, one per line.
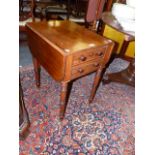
pixel 85 68
pixel 88 55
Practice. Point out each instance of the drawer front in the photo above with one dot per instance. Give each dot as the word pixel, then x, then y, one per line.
pixel 85 68
pixel 88 55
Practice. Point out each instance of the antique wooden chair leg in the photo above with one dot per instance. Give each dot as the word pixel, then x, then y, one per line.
pixel 124 48
pixel 63 99
pixel 36 71
pixel 96 84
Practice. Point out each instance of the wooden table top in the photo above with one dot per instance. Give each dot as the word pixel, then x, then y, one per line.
pixel 67 36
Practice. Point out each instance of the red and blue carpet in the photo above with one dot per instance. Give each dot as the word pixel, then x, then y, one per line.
pixel 105 127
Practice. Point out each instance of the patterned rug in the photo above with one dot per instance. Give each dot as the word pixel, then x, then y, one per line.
pixel 105 127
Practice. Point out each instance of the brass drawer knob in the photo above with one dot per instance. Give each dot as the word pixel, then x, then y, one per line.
pixel 83 58
pixel 100 53
pixel 96 64
pixel 80 70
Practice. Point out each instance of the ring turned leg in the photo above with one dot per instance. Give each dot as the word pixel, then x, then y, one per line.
pixel 95 84
pixel 36 71
pixel 63 99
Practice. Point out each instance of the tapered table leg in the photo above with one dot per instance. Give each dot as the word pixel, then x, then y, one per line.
pixel 63 99
pixel 95 84
pixel 36 71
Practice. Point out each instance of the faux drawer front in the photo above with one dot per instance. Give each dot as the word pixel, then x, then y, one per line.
pixel 86 68
pixel 90 54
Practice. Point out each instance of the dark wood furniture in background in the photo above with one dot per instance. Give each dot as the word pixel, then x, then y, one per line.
pixel 67 51
pixel 111 21
pixel 26 14
pixel 62 9
pixel 126 76
pixel 50 9
pixel 85 12
pixel 94 13
pixel 26 8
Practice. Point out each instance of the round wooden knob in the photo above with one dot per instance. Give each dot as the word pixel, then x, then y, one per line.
pixel 100 53
pixel 96 64
pixel 80 70
pixel 83 58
